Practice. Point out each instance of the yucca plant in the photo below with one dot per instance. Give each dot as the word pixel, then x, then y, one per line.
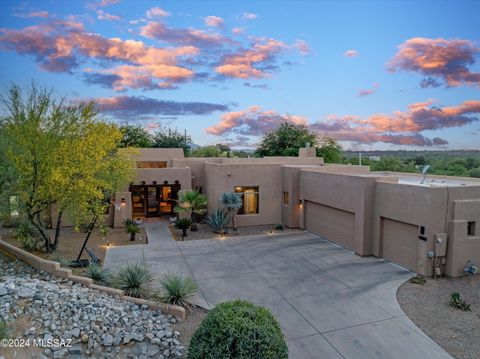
pixel 232 203
pixel 183 224
pixel 134 279
pixel 176 290
pixel 218 220
pixel 98 274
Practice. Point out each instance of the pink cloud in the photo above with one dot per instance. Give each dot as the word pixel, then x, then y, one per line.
pixel 249 16
pixel 101 3
pixel 401 127
pixel 251 122
pixel 214 21
pixel 32 14
pixel 102 15
pixel 249 63
pixel 238 30
pixel 351 53
pixel 368 92
pixel 156 12
pixel 438 59
pixel 195 37
pixel 60 46
pixel 303 47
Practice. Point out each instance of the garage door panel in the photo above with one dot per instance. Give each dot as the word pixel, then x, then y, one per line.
pixel 331 223
pixel 399 241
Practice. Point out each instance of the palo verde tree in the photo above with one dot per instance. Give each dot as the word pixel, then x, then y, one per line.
pixel 289 137
pixel 57 155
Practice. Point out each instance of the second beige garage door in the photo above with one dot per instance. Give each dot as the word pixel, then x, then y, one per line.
pixel 399 240
pixel 330 223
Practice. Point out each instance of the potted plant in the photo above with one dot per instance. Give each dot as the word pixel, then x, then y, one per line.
pixel 183 224
pixel 132 228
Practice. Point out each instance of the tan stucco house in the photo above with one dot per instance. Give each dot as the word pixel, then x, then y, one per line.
pixel 420 226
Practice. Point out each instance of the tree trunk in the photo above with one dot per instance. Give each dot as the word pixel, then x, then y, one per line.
pixel 132 236
pixel 38 226
pixel 57 230
pixel 90 230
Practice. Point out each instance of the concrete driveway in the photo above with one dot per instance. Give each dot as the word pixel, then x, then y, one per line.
pixel 329 302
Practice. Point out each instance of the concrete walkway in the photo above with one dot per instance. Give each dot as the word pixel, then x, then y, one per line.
pixel 329 302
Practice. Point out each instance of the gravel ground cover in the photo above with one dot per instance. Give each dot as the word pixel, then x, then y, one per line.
pixel 206 232
pixel 427 305
pixel 37 306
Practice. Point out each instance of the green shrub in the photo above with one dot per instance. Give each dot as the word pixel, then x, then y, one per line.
pixel 279 227
pixel 458 302
pixel 98 274
pixel 27 236
pixel 240 330
pixel 177 290
pixel 218 220
pixel 4 332
pixel 134 279
pixel 183 224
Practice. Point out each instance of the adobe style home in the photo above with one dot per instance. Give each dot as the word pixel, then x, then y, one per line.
pixel 416 222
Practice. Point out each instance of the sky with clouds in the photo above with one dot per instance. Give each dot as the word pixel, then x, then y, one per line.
pixel 372 74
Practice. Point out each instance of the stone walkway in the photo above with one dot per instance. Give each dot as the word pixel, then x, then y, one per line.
pixel 330 303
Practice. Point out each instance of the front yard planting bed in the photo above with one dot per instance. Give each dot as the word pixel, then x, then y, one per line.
pixel 206 232
pixel 457 331
pixel 71 242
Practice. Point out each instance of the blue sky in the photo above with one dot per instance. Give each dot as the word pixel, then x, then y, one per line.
pixel 227 71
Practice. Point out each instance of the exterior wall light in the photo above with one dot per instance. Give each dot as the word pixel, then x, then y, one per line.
pixel 154 182
pixel 143 182
pixel 229 174
pixel 124 203
pixel 300 201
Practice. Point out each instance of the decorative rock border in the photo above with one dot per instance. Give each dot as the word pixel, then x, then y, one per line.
pixel 55 269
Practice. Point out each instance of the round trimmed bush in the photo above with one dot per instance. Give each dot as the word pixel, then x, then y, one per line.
pixel 240 330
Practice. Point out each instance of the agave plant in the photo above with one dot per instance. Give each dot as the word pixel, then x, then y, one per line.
pixel 193 202
pixel 183 224
pixel 134 279
pixel 232 203
pixel 218 220
pixel 177 290
pixel 98 274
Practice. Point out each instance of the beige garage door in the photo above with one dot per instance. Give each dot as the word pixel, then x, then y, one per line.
pixel 399 241
pixel 330 223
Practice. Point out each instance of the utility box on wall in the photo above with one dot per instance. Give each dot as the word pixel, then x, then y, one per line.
pixel 440 240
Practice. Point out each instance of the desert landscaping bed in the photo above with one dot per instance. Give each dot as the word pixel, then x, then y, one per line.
pixel 71 242
pixel 206 232
pixel 457 331
pixel 36 305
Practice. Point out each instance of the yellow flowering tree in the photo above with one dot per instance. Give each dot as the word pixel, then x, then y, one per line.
pixel 59 155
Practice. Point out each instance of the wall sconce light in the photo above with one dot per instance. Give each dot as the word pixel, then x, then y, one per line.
pixel 154 182
pixel 143 182
pixel 300 201
pixel 124 203
pixel 229 174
